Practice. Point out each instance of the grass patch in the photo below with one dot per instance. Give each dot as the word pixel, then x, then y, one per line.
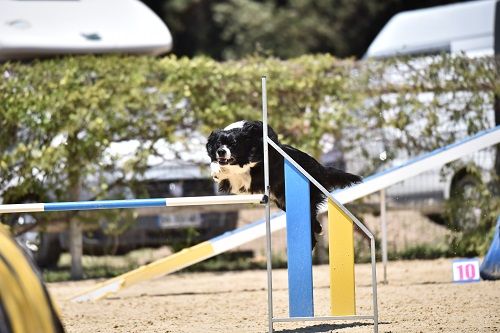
pixel 422 251
pixel 95 267
pixel 110 266
pixel 235 261
pixel 63 273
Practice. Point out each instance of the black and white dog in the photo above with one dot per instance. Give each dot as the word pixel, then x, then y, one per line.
pixel 237 166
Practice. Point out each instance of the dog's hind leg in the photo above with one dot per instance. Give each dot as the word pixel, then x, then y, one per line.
pixel 316 228
pixel 315 198
pixel 224 186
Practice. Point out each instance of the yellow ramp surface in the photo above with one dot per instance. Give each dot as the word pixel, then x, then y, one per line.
pixel 153 270
pixel 168 265
pixel 341 248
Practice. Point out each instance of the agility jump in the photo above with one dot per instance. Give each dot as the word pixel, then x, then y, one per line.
pixel 297 181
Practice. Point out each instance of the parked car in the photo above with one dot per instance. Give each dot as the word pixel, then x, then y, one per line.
pixel 148 228
pixel 472 28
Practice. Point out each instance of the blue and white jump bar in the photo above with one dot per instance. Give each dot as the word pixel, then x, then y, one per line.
pixel 135 203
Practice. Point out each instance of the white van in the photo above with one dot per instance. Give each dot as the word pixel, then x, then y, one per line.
pixel 36 28
pixel 472 28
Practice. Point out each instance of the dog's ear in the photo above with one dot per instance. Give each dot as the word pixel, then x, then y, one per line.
pixel 254 128
pixel 211 142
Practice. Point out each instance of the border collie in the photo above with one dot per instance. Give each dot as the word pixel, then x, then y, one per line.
pixel 237 166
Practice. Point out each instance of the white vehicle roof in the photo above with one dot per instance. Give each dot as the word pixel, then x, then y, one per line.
pixel 32 28
pixel 468 27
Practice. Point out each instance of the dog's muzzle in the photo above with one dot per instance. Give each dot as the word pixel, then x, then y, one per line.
pixel 223 155
pixel 224 161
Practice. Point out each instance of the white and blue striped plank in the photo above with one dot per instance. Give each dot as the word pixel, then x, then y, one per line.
pixel 298 231
pixel 134 203
pixel 104 204
pixel 415 166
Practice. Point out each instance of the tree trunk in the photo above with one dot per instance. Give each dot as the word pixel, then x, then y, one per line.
pixel 75 228
pixel 76 249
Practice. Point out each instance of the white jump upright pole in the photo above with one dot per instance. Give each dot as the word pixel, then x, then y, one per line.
pixel 267 207
pixel 383 220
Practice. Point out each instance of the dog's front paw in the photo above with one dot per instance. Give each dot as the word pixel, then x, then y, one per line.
pixel 215 171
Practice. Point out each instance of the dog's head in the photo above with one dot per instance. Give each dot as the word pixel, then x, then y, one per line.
pixel 238 144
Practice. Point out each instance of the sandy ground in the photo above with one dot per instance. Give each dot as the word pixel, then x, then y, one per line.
pixel 418 298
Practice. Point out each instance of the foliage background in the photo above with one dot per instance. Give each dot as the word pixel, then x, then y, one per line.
pixel 60 117
pixel 232 29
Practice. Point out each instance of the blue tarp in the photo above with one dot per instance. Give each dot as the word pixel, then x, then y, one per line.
pixel 490 268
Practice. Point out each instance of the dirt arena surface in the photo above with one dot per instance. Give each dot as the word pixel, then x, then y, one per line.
pixel 418 298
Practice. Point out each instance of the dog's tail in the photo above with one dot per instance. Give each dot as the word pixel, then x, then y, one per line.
pixel 336 178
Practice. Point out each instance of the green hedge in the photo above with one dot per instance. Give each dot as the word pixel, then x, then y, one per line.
pixel 95 100
pixel 58 116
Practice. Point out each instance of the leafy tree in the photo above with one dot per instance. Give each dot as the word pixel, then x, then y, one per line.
pixel 232 29
pixel 192 26
pixel 59 119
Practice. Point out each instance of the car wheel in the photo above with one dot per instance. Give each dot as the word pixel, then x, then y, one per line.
pixel 43 247
pixel 465 212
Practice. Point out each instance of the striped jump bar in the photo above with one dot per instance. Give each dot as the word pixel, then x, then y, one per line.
pixel 134 203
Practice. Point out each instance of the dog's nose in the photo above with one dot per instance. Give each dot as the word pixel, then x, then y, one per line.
pixel 221 152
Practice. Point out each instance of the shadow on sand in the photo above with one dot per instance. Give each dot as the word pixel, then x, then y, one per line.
pixel 326 328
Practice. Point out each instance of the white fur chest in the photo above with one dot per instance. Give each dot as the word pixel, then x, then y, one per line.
pixel 240 183
pixel 239 177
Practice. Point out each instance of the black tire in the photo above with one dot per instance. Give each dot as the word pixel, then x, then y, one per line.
pixel 43 247
pixel 49 250
pixel 464 196
pixel 216 223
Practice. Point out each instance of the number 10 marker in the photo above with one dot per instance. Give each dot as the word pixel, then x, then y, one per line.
pixel 466 270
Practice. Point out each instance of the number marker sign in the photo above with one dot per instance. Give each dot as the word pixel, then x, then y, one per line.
pixel 466 270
